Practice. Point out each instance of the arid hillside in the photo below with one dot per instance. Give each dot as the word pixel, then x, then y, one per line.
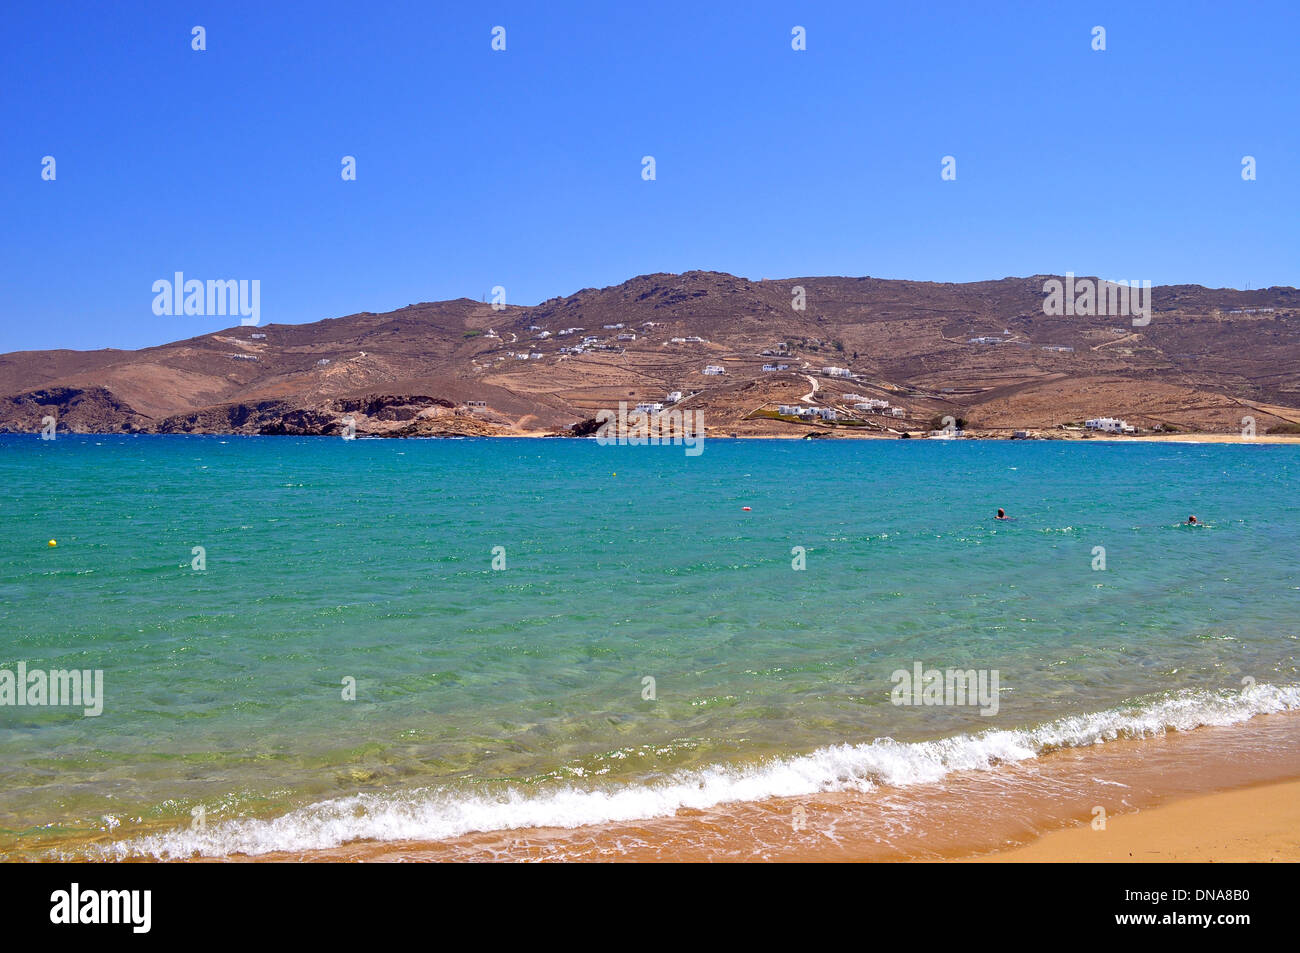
pixel 985 353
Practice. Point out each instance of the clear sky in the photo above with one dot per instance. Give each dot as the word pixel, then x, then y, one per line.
pixel 523 168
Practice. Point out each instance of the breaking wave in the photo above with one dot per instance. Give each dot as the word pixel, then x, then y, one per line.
pixel 433 814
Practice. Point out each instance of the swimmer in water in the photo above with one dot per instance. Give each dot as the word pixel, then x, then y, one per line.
pixel 1002 515
pixel 1191 521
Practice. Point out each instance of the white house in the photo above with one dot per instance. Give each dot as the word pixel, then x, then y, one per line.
pixel 627 337
pixel 837 372
pixel 1109 425
pixel 985 340
pixel 613 327
pixel 827 413
pixel 776 367
pixel 871 403
pixel 650 408
pixel 673 396
pixel 258 337
pixel 713 370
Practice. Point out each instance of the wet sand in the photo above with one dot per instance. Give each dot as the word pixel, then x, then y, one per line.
pixel 1163 799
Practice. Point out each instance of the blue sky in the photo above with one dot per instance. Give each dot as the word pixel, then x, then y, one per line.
pixel 522 168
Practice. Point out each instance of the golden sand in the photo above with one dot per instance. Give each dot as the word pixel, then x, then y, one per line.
pixel 1254 824
pixel 1207 438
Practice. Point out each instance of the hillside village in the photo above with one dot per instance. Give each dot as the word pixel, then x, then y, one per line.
pixel 866 357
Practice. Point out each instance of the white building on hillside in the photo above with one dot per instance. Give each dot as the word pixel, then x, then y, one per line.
pixel 713 370
pixel 837 372
pixel 871 403
pixel 1109 425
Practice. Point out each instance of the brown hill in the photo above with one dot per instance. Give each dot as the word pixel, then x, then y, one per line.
pixel 1207 358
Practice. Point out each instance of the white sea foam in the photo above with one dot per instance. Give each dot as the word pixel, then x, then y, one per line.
pixel 438 814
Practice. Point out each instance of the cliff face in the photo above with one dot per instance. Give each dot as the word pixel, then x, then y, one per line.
pixel 1206 358
pixel 81 410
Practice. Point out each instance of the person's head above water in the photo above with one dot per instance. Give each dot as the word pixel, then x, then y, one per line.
pixel 1001 513
pixel 1191 519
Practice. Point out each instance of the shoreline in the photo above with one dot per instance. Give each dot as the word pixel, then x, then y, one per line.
pixel 1211 793
pixel 810 435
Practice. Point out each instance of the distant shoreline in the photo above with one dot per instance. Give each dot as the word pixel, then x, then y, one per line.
pixel 1199 438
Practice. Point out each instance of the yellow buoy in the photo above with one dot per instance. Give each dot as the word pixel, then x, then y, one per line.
pixel 54 542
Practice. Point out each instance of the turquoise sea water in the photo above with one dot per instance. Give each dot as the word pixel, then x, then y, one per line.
pixel 507 697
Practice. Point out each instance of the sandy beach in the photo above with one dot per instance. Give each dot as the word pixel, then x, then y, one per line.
pixel 1253 824
pixel 1208 438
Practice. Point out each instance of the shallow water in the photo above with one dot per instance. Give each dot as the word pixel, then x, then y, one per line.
pixel 496 698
